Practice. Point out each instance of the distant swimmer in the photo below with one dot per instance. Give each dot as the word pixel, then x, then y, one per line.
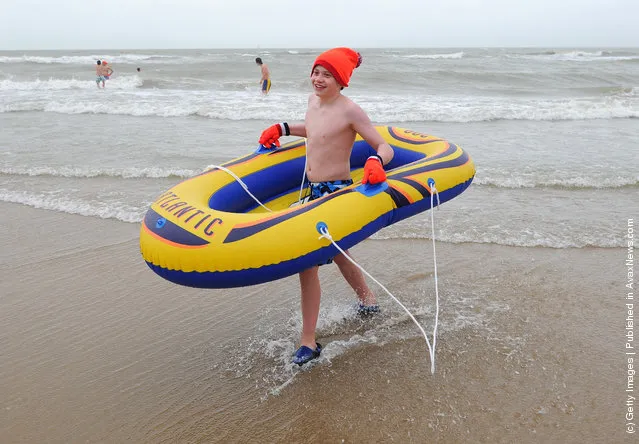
pixel 265 80
pixel 99 73
pixel 138 69
pixel 107 70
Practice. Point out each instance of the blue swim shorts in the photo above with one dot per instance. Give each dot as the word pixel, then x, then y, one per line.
pixel 321 189
pixel 266 85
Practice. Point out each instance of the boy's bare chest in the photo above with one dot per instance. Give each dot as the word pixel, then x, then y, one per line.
pixel 326 123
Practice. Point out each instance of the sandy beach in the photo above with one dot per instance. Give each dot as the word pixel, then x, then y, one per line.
pixel 97 348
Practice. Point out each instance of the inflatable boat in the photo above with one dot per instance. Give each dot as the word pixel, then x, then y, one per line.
pixel 243 223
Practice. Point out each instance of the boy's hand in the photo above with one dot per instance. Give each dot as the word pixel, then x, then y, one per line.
pixel 271 135
pixel 374 171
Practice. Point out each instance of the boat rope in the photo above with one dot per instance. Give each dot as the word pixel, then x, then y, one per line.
pixel 299 199
pixel 322 228
pixel 226 170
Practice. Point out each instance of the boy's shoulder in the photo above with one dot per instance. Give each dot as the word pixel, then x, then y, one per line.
pixel 349 104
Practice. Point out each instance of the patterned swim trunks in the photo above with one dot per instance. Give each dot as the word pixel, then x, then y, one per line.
pixel 321 189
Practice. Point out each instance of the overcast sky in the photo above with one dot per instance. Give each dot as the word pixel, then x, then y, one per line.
pixel 146 24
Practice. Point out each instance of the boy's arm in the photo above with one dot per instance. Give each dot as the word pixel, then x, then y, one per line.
pixel 297 129
pixel 271 135
pixel 363 126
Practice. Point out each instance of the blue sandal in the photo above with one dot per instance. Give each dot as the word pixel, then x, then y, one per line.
pixel 367 310
pixel 305 354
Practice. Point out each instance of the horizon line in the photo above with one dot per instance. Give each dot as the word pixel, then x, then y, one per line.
pixel 262 48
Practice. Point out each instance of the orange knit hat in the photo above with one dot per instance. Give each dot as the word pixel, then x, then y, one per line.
pixel 340 62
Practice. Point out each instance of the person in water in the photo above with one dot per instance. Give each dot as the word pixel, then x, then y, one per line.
pixel 331 123
pixel 99 74
pixel 265 80
pixel 107 70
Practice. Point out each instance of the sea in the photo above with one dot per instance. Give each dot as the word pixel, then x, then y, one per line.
pixel 554 132
pixel 524 255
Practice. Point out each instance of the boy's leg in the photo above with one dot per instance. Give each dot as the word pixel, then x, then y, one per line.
pixel 355 279
pixel 310 301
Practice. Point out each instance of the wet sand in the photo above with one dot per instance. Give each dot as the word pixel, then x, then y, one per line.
pixel 96 348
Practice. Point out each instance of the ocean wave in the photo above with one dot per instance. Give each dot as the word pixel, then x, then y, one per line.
pixel 64 204
pixel 244 105
pixel 519 182
pixel 483 109
pixel 611 91
pixel 133 81
pixel 576 56
pixel 51 84
pixel 83 172
pixel 527 238
pixel 88 59
pixel 454 55
pixel 576 183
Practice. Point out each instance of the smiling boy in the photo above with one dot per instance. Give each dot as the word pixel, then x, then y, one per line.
pixel 331 123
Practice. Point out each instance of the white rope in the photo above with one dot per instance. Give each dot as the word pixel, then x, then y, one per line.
pixel 431 349
pixel 325 234
pixel 299 200
pixel 240 182
pixel 433 192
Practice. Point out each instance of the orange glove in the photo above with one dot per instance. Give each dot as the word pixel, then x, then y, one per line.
pixel 374 170
pixel 271 135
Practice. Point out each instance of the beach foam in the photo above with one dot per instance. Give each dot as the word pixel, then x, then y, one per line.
pixel 229 104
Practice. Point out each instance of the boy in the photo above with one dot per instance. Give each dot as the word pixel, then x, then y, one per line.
pixel 330 125
pixel 99 74
pixel 265 80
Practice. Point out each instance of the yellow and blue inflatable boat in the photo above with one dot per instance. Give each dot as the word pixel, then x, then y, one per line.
pixel 208 231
